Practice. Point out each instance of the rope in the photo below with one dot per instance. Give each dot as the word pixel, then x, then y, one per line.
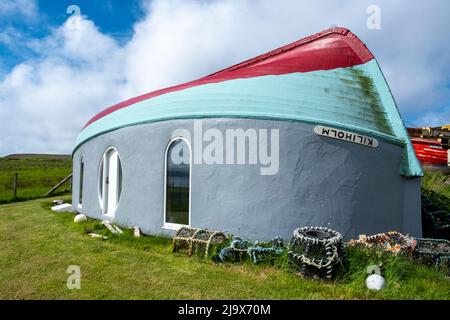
pixel 391 241
pixel 317 251
pixel 322 263
pixel 256 251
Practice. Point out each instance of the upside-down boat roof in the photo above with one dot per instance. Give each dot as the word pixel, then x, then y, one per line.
pixel 329 78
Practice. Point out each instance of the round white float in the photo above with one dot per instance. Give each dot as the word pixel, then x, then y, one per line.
pixel 80 218
pixel 375 282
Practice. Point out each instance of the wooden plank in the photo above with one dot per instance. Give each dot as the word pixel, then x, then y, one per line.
pixel 58 185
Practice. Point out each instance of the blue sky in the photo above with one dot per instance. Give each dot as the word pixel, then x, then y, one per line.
pixel 56 72
pixel 113 17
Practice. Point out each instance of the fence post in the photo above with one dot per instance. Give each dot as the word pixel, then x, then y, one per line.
pixel 15 185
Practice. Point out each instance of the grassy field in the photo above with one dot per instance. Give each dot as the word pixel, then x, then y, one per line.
pixel 37 174
pixel 37 246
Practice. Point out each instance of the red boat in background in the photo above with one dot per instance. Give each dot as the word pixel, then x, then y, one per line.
pixel 431 151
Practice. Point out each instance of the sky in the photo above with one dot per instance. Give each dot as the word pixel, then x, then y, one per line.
pixel 61 62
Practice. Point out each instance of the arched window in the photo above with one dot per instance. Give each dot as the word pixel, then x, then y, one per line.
pixel 177 203
pixel 110 182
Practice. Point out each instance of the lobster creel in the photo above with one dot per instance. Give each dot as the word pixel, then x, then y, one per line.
pixel 317 252
pixel 196 241
pixel 433 252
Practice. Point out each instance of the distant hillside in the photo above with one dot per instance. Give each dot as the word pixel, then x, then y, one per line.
pixel 37 156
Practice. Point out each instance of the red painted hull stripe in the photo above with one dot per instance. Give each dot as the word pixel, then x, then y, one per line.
pixel 329 49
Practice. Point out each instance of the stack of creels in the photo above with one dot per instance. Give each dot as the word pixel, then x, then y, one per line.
pixel 317 252
pixel 196 241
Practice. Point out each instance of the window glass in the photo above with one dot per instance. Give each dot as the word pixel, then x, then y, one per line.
pixel 177 182
pixel 80 195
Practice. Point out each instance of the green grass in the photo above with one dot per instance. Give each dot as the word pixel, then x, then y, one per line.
pixel 434 186
pixel 37 174
pixel 37 245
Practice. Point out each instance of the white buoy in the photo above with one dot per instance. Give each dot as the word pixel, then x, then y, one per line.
pixel 375 282
pixel 80 218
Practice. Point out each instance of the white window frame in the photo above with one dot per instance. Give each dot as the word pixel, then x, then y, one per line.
pixel 101 198
pixel 176 226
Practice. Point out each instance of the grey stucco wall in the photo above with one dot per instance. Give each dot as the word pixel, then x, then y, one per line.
pixel 321 181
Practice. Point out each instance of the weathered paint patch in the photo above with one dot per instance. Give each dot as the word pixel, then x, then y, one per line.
pixel 369 90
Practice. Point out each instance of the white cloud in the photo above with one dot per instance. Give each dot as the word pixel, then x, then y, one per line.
pixel 23 8
pixel 45 101
pixel 12 12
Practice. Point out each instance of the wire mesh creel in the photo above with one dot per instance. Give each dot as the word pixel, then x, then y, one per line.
pixel 317 252
pixel 196 240
pixel 433 252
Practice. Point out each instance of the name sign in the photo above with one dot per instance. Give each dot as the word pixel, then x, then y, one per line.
pixel 346 136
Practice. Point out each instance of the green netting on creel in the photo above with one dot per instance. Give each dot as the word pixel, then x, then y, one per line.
pixel 258 252
pixel 317 252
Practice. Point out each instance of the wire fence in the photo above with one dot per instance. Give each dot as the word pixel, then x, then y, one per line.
pixel 17 186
